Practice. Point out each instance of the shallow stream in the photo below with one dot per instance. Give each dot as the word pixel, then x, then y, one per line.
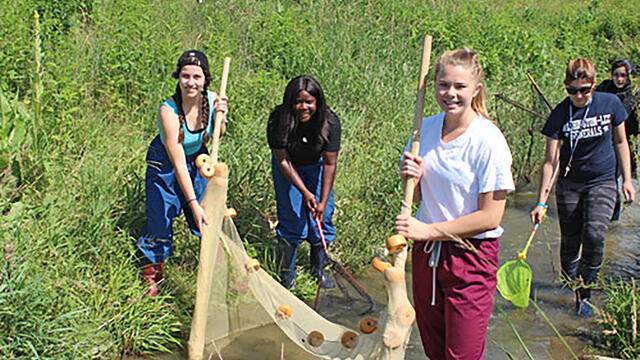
pixel 622 258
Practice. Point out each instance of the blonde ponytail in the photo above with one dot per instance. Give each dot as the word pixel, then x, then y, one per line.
pixel 468 59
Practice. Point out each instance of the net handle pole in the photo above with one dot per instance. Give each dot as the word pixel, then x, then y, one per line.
pixel 397 330
pixel 410 183
pixel 219 116
pixel 537 88
pixel 214 205
pixel 321 233
pixel 326 251
pixel 523 254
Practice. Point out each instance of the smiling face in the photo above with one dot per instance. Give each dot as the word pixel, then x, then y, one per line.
pixel 455 88
pixel 305 106
pixel 192 81
pixel 620 77
pixel 584 93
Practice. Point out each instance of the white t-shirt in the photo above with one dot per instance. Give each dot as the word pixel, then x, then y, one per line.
pixel 455 173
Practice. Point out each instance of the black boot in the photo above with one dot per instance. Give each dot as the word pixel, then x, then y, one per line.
pixel 588 274
pixel 319 260
pixel 288 252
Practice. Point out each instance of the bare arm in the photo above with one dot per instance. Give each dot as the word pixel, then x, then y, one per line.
pixel 491 208
pixel 548 176
pixel 329 165
pixel 624 160
pixel 289 171
pixel 170 126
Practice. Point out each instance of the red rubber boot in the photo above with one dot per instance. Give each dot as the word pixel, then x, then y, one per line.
pixel 159 272
pixel 150 274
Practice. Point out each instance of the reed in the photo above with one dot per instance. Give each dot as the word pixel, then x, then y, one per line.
pixel 37 85
pixel 617 319
pixel 515 332
pixel 555 330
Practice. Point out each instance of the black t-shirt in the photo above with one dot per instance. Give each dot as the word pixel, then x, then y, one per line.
pixel 630 101
pixel 594 158
pixel 306 147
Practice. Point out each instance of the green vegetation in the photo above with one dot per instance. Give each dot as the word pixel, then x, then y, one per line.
pixel 80 88
pixel 618 320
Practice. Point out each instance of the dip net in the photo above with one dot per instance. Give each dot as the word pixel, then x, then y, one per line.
pixel 241 312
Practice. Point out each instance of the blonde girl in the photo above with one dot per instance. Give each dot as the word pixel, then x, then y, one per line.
pixel 464 173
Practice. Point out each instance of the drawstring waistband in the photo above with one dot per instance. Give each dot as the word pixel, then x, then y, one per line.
pixel 434 248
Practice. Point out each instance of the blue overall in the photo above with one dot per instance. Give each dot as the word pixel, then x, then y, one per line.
pixel 295 221
pixel 165 199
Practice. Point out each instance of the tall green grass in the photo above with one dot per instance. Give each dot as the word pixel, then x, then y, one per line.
pixel 88 80
pixel 617 320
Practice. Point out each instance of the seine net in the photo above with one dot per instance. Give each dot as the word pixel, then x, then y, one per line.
pixel 241 312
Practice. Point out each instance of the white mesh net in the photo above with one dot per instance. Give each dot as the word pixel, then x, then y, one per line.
pixel 243 313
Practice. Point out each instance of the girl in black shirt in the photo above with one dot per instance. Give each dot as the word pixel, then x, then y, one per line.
pixel 304 137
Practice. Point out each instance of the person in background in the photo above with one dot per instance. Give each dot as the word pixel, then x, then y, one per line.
pixel 586 133
pixel 622 73
pixel 173 183
pixel 464 174
pixel 304 137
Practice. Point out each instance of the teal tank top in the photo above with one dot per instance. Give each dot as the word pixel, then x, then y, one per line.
pixel 192 140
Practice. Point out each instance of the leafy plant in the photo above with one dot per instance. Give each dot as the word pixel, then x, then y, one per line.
pixel 14 117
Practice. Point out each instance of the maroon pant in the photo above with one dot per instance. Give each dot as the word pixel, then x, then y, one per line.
pixel 456 326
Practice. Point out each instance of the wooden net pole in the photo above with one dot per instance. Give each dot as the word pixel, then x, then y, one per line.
pixel 410 184
pixel 400 313
pixel 214 205
pixel 219 115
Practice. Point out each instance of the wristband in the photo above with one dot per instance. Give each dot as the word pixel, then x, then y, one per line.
pixel 541 204
pixel 190 200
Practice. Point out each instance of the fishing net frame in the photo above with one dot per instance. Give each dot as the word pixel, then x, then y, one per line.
pixel 343 280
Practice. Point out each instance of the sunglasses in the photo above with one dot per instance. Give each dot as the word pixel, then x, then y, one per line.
pixel 583 90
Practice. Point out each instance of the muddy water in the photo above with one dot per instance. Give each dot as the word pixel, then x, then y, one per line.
pixel 622 258
pixel 622 251
pixel 622 254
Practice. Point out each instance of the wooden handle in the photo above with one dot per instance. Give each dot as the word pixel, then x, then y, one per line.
pixel 214 205
pixel 410 184
pixel 219 115
pixel 535 85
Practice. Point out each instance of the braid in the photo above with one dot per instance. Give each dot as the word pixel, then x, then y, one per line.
pixel 177 97
pixel 204 114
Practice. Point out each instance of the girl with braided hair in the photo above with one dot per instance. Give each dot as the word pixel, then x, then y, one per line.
pixel 173 182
